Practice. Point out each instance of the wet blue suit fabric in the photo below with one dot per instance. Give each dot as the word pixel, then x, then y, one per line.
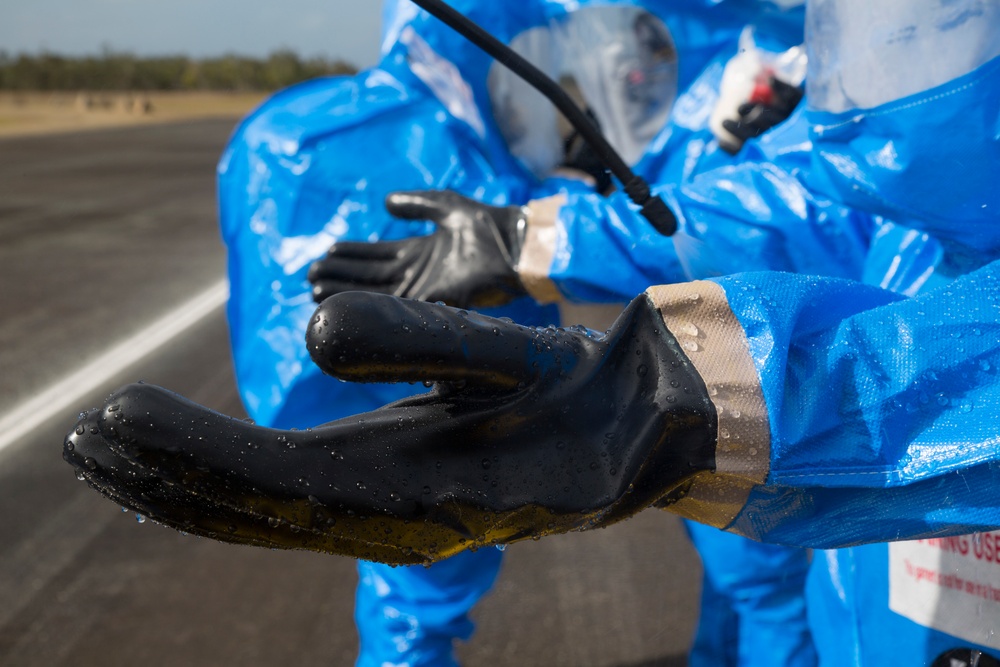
pixel 790 213
pixel 815 336
pixel 905 374
pixel 880 381
pixel 958 221
pixel 914 433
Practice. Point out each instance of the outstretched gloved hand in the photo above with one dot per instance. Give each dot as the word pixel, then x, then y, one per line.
pixel 528 432
pixel 468 261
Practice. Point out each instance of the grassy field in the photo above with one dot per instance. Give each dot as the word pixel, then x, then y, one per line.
pixel 42 113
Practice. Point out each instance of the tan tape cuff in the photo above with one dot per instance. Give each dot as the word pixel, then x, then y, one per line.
pixel 539 248
pixel 699 317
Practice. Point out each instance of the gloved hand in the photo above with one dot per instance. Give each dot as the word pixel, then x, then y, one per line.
pixel 528 432
pixel 767 108
pixel 580 156
pixel 468 261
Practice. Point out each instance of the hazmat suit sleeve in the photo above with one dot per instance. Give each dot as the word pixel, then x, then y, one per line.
pixel 792 409
pixel 748 216
pixel 589 248
pixel 847 414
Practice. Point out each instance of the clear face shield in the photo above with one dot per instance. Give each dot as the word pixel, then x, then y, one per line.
pixel 527 120
pixel 863 54
pixel 622 63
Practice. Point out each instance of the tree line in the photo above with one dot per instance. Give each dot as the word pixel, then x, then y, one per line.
pixel 124 71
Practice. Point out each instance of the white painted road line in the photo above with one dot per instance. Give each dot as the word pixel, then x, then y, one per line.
pixel 71 389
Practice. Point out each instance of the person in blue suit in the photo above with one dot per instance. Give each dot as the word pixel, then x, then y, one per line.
pixel 875 403
pixel 284 173
pixel 848 409
pixel 312 166
pixel 288 150
pixel 910 132
pixel 753 608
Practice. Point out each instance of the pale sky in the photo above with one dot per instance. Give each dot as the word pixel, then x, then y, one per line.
pixel 346 29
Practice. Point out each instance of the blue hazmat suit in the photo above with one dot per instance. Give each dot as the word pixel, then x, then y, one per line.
pixel 417 121
pixel 925 152
pixel 874 349
pixel 886 187
pixel 312 166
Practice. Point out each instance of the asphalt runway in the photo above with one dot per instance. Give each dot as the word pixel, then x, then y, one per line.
pixel 103 232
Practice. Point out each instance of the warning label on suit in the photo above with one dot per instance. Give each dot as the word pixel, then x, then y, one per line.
pixel 950 584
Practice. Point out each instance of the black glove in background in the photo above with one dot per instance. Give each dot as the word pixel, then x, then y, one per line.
pixel 581 156
pixel 528 432
pixel 757 118
pixel 468 261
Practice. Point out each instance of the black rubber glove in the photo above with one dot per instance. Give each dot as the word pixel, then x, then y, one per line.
pixel 580 156
pixel 757 117
pixel 467 261
pixel 528 432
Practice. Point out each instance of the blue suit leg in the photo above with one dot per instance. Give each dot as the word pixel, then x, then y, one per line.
pixel 716 640
pixel 753 604
pixel 411 616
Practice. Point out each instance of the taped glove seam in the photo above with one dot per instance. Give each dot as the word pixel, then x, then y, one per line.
pixel 699 317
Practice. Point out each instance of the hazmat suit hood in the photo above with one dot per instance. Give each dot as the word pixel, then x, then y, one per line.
pixel 874 71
